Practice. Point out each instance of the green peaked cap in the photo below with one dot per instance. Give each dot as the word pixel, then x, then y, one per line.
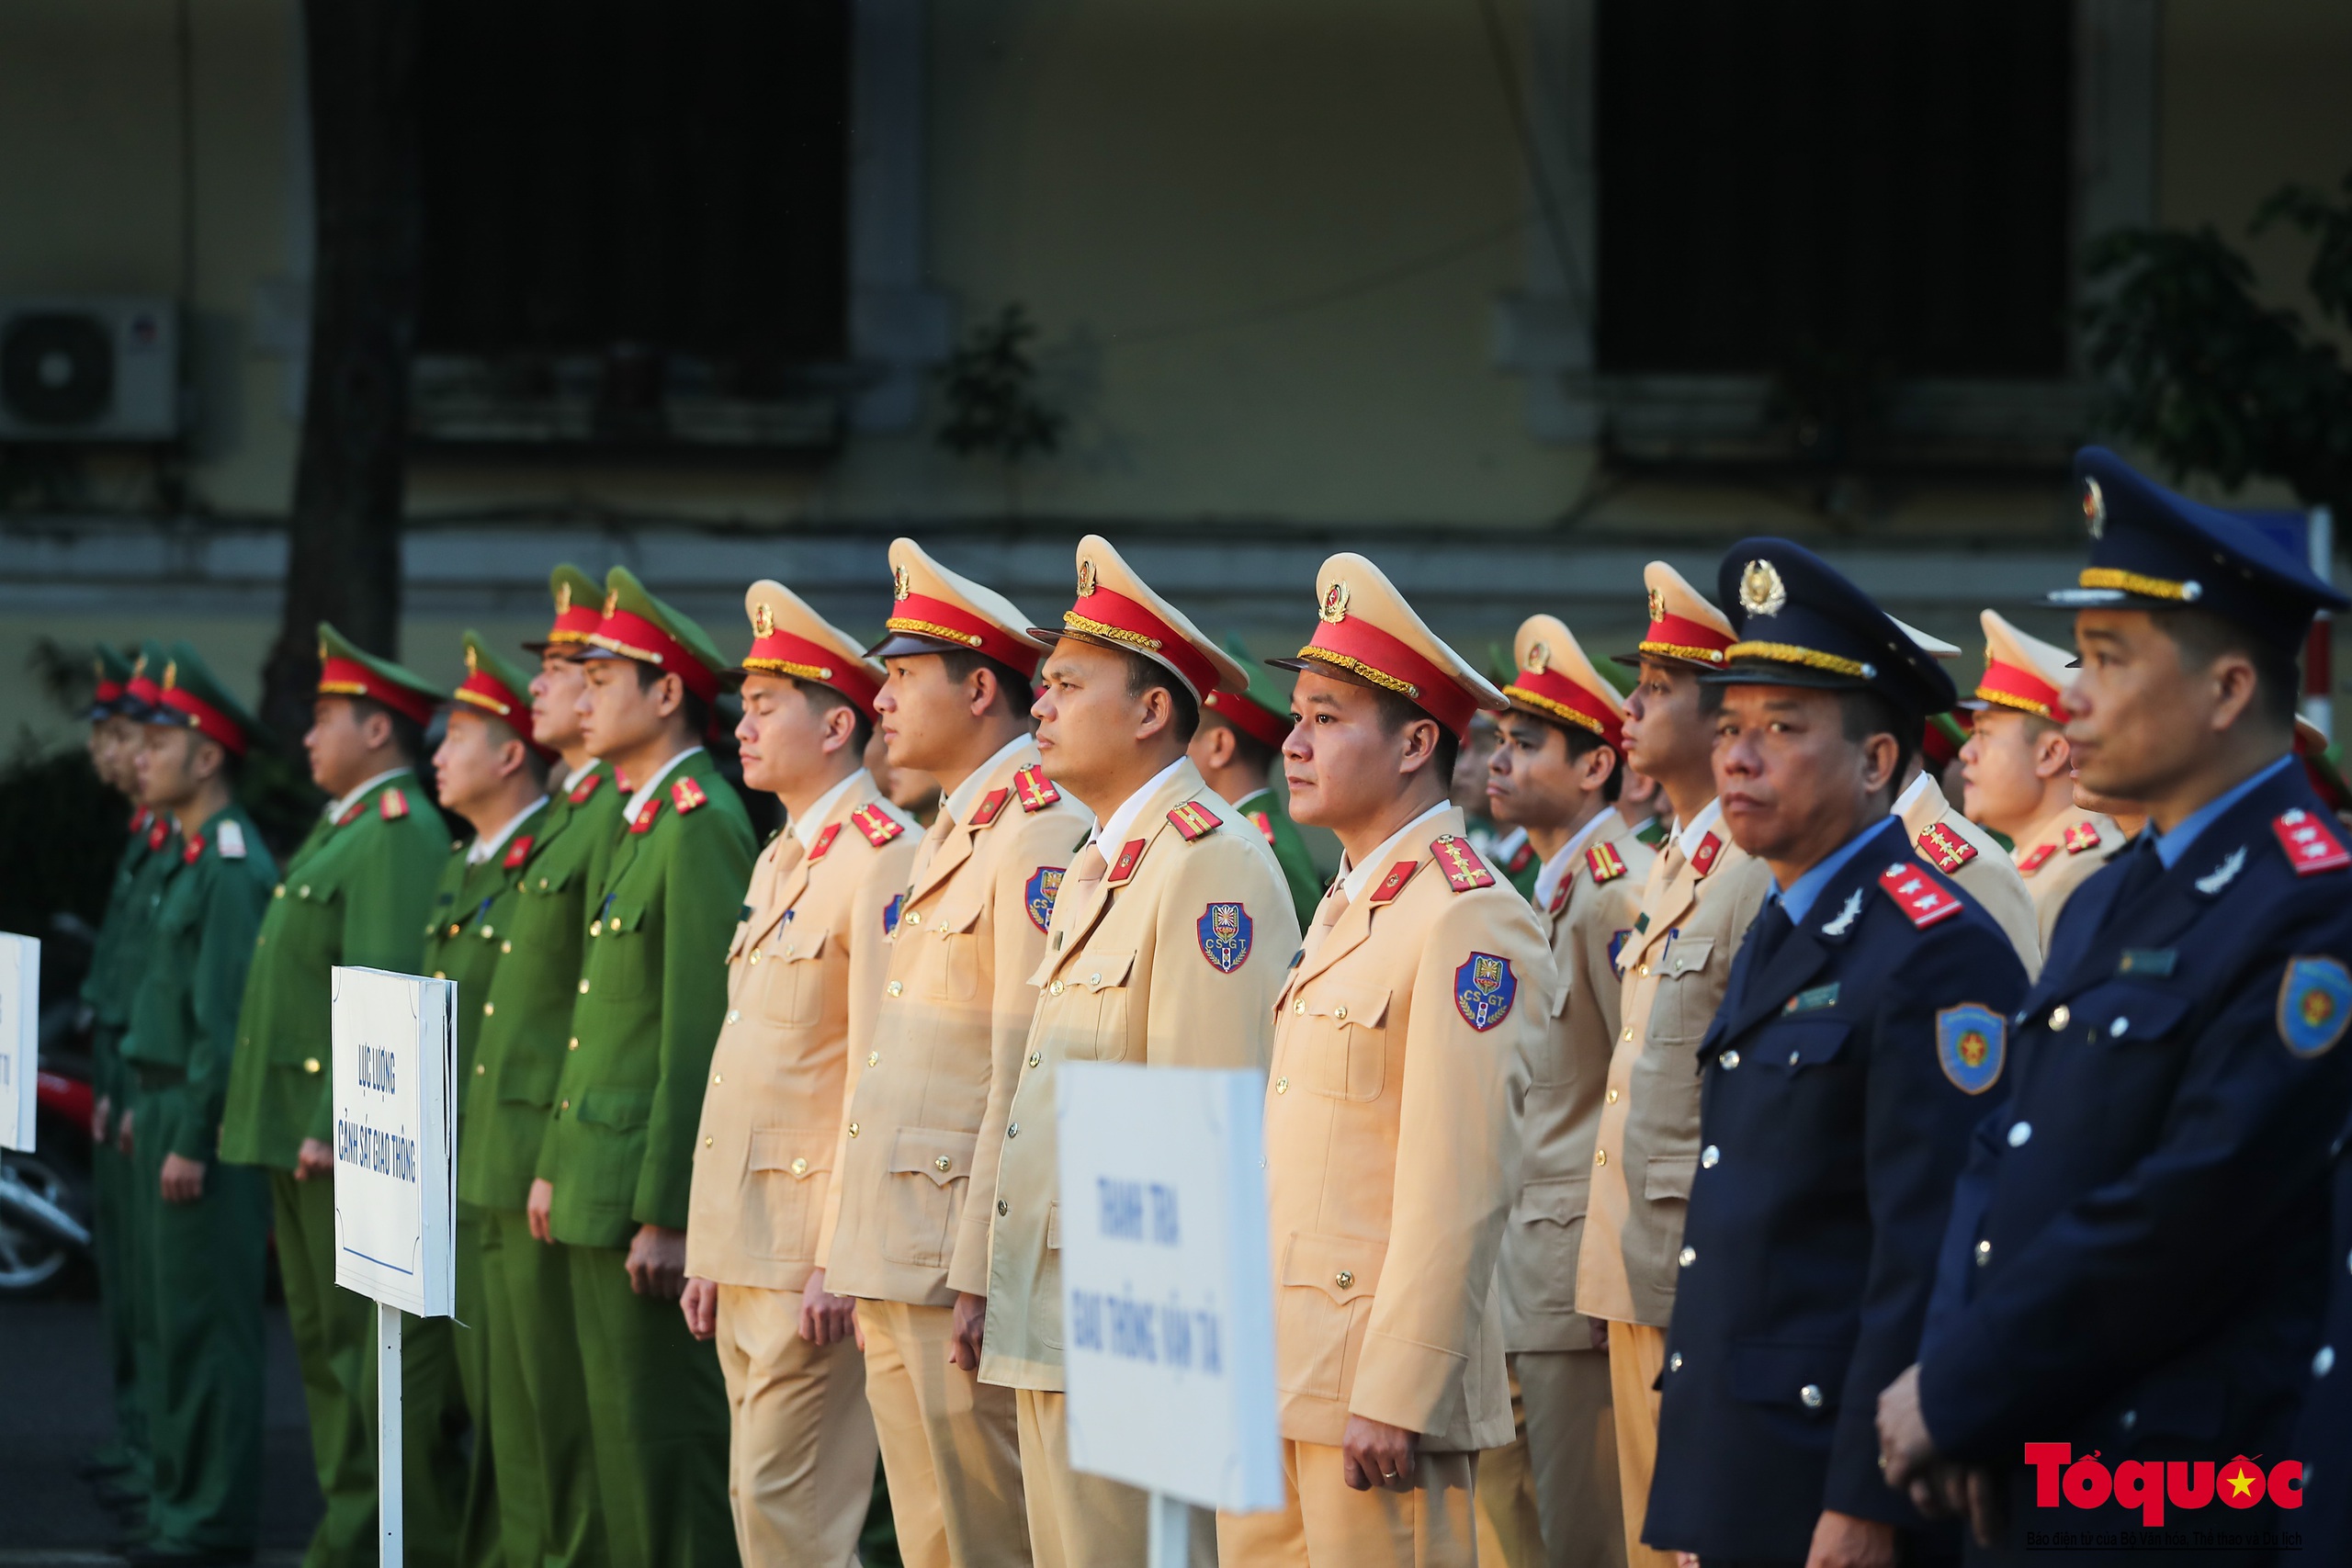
pixel 1264 691
pixel 110 663
pixel 109 666
pixel 624 594
pixel 579 602
pixel 1261 712
pixel 185 671
pixel 149 666
pixel 396 686
pixel 481 660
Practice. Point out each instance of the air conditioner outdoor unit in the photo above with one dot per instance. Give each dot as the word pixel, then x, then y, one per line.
pixel 89 368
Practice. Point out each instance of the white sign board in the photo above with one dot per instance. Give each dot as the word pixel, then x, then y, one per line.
pixel 19 1040
pixel 1168 1295
pixel 395 1138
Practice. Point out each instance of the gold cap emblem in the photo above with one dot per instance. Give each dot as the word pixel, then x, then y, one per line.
pixel 1085 578
pixel 899 586
pixel 762 621
pixel 139 665
pixel 1538 657
pixel 611 600
pixel 2095 509
pixel 1335 604
pixel 473 662
pixel 1657 605
pixel 1761 592
pixel 171 674
pixel 562 597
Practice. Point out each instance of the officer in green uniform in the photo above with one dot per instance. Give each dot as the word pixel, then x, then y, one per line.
pixel 206 1226
pixel 490 775
pixel 615 1168
pixel 355 892
pixel 1237 746
pixel 538 1409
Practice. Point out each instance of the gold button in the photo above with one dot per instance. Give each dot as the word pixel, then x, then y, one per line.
pixel 1344 1277
pixel 718 1077
pixel 800 1168
pixel 1643 970
pixel 790 950
pixel 486 933
pixel 489 1008
pixel 914 917
pixel 440 974
pixel 734 1015
pixel 310 1064
pixel 278 891
pixel 1612 1097
pixel 872 1058
pixel 1627 1035
pixel 543 883
pixel 1003 1208
pixel 2060 1016
pixel 1298 1008
pixel 1688 1255
pixel 943 1162
pixel 479 1069
pixel 1095 978
pixel 306 891
pixel 583 984
pixel 1600 1156
pixel 1013 1130
pixel 705 1143
pixel 1037 1059
pixel 755 955
pixel 1282 1085
pixel 574 1045
pixel 852 1129
pixel 506 947
pixel 1339 1012
pixel 895 988
pixel 1054 989
pixel 565 1106
pixel 453 931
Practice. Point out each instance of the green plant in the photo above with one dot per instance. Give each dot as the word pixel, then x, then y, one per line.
pixel 989 384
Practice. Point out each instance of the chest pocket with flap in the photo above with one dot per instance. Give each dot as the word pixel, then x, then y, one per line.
pixel 1091 1006
pixel 1799 1047
pixel 620 957
pixel 1343 1041
pixel 954 965
pixel 792 978
pixel 1690 984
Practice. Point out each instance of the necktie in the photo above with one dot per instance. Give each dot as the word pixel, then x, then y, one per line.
pixel 931 842
pixel 1773 928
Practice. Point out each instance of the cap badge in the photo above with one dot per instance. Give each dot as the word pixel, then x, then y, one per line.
pixel 1085 578
pixel 171 674
pixel 473 662
pixel 2095 509
pixel 562 597
pixel 139 665
pixel 611 600
pixel 1657 605
pixel 1335 604
pixel 1538 656
pixel 762 621
pixel 899 586
pixel 1761 592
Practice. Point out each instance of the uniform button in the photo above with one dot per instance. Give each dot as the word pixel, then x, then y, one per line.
pixel 2131 1420
pixel 1810 1396
pixel 506 947
pixel 1687 1257
pixel 1281 1086
pixel 2323 1362
pixel 278 891
pixel 2060 1016
pixel 894 988
pixel 479 1069
pixel 306 891
pixel 790 950
pixel 1709 1156
pixel 707 1143
pixel 1054 989
pixel 1298 1008
pixel 1612 1097
pixel 453 931
pixel 914 917
pixel 800 1167
pixel 486 933
pixel 1600 1156
pixel 1013 1130
pixel 852 1129
pixel 1730 1060
pixel 310 1064
pixel 583 984
pixel 1644 971
pixel 734 1015
pixel 1003 1208
pixel 755 955
pixel 1037 1059
pixel 874 1058
pixel 2119 1027
pixel 440 974
pixel 718 1077
pixel 2019 1133
pixel 943 1163
pixel 1794 1057
pixel 1983 1253
pixel 543 883
pixel 1344 1277
pixel 1341 1011
pixel 565 1106
pixel 574 1044
pixel 1674 1362
pixel 1627 1036
pixel 489 1010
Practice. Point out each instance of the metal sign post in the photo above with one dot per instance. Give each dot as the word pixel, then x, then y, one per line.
pixel 389 1497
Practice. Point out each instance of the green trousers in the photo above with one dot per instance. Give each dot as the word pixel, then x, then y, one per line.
pixel 334 1340
pixel 201 1305
pixel 117 1253
pixel 538 1405
pixel 480 1545
pixel 657 1415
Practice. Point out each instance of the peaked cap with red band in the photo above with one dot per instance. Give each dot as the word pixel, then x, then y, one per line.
pixel 189 698
pixel 110 673
pixel 1556 682
pixel 347 671
pixel 1684 628
pixel 637 627
pixel 1366 633
pixel 1116 608
pixel 790 638
pixel 933 610
pixel 500 689
pixel 144 690
pixel 1262 712
pixel 579 609
pixel 2022 671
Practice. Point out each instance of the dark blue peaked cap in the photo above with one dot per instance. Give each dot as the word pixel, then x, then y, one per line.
pixel 2154 551
pixel 1801 623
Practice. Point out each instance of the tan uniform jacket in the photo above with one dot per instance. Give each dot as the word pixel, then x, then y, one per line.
pixel 2059 854
pixel 804 982
pixel 1392 1150
pixel 1568 1075
pixel 1176 964
pixel 1989 875
pixel 926 1103
pixel 1675 964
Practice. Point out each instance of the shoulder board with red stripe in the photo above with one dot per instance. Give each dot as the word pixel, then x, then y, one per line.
pixel 1393 883
pixel 1944 849
pixel 1703 859
pixel 1035 790
pixel 687 796
pixel 1125 866
pixel 1464 870
pixel 2036 857
pixel 878 825
pixel 1607 864
pixel 991 804
pixel 517 853
pixel 1193 820
pixel 1922 898
pixel 646 815
pixel 1265 824
pixel 2082 836
pixel 391 806
pixel 585 787
pixel 825 838
pixel 2309 846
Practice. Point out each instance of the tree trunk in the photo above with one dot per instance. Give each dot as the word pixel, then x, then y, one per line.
pixel 343 556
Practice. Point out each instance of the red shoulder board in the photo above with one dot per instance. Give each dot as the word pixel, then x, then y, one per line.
pixel 1464 870
pixel 1607 864
pixel 2309 846
pixel 585 787
pixel 1193 820
pixel 517 853
pixel 159 829
pixel 139 821
pixel 1265 824
pixel 1520 857
pixel 2036 857
pixel 189 855
pixel 878 825
pixel 645 816
pixel 686 795
pixel 1922 899
pixel 1703 859
pixel 1944 849
pixel 1125 866
pixel 391 806
pixel 1393 883
pixel 2082 836
pixel 1035 790
pixel 1560 895
pixel 990 804
pixel 824 840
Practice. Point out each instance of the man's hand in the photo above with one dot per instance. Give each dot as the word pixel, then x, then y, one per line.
pixel 971 1322
pixel 539 1210
pixel 826 1318
pixel 100 1114
pixel 123 1132
pixel 657 1262
pixel 1904 1448
pixel 1841 1540
pixel 1373 1453
pixel 315 1162
pixel 1598 1326
pixel 182 1179
pixel 700 1304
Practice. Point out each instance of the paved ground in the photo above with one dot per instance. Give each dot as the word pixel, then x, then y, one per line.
pixel 54 1409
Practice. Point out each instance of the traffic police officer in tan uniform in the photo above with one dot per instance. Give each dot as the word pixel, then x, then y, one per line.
pixel 1392 1124
pixel 804 984
pixel 907 1221
pixel 1168 942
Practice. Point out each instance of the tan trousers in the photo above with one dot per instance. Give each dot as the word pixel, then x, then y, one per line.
pixel 1085 1521
pixel 800 1442
pixel 1325 1523
pixel 949 1444
pixel 1550 1499
pixel 1636 1359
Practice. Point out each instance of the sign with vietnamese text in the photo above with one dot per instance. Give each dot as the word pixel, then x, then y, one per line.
pixel 395 1135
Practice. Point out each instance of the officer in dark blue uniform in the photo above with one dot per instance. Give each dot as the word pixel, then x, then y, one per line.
pixel 1861 1036
pixel 2138 1251
pixel 2323 1442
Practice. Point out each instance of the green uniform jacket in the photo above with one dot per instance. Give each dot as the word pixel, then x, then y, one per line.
pixel 1305 884
pixel 121 948
pixel 520 1053
pixel 184 1017
pixel 472 905
pixel 652 990
pixel 355 893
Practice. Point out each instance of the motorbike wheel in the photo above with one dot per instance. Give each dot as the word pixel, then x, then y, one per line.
pixel 31 1261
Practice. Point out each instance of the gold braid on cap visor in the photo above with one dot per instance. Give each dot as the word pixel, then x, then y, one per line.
pixel 484 700
pixel 2146 587
pixel 2023 705
pixel 615 645
pixel 1073 621
pixel 932 628
pixel 1678 651
pixel 1556 709
pixel 787 667
pixel 1357 666
pixel 1812 658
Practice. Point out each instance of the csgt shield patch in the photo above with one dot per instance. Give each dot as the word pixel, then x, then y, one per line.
pixel 2314 1005
pixel 1484 989
pixel 1226 930
pixel 1038 893
pixel 1972 1044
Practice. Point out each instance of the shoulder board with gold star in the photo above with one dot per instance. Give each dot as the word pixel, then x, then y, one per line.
pixel 2309 846
pixel 2038 856
pixel 646 815
pixel 1035 790
pixel 991 804
pixel 1393 883
pixel 517 853
pixel 1464 870
pixel 1703 859
pixel 1607 864
pixel 1193 820
pixel 585 787
pixel 825 838
pixel 878 825
pixel 391 806
pixel 1264 821
pixel 687 796
pixel 1944 849
pixel 2082 836
pixel 1125 866
pixel 1922 899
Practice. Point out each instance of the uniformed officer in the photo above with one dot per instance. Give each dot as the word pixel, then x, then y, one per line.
pixel 1392 1127
pixel 804 984
pixel 617 1161
pixel 2179 1078
pixel 538 1410
pixel 1236 749
pixel 2020 773
pixel 1864 1022
pixel 1702 894
pixel 914 1172
pixel 490 775
pixel 355 892
pixel 205 1225
pixel 1502 847
pixel 1166 945
pixel 1550 1495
